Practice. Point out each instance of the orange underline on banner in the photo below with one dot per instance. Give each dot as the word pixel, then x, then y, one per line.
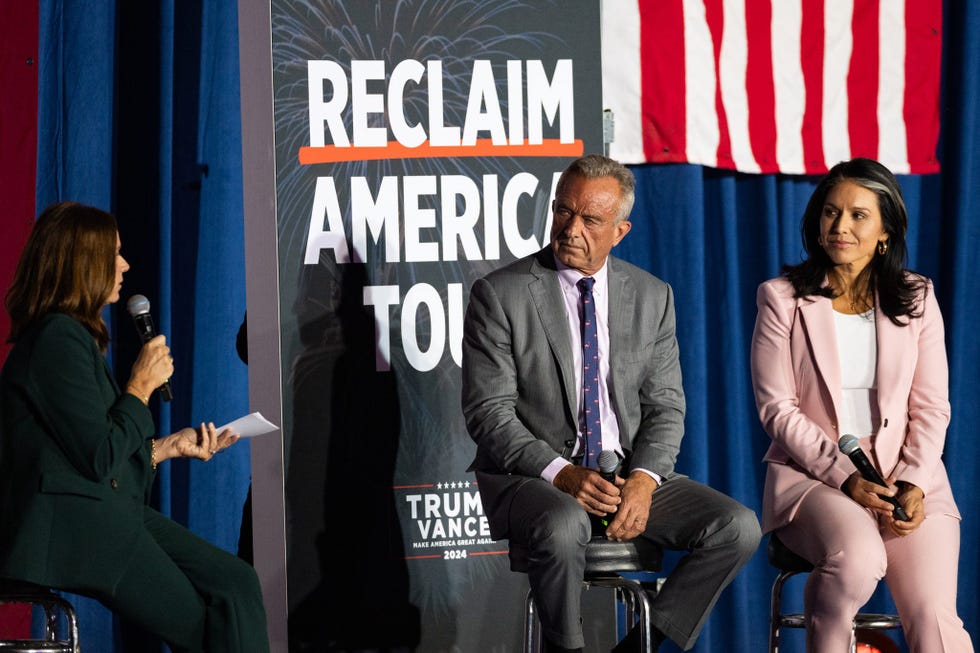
pixel 488 553
pixel 421 557
pixel 394 150
pixel 411 487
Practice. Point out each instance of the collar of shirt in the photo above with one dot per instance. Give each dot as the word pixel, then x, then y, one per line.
pixel 569 277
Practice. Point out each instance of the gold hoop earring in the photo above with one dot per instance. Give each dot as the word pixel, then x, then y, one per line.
pixel 882 247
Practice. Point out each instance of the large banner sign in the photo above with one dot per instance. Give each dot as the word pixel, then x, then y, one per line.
pixel 417 147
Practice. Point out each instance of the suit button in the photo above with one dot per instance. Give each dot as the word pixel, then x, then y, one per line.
pixel 886 422
pixel 114 484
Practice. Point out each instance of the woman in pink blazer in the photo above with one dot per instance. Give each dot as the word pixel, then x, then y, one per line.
pixel 849 342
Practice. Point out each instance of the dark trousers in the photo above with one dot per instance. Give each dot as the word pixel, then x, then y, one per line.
pixel 190 593
pixel 719 534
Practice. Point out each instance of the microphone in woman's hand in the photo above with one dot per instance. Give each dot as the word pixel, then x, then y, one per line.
pixel 850 447
pixel 139 307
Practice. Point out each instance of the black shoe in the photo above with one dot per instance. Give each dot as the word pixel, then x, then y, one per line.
pixel 631 643
pixel 551 647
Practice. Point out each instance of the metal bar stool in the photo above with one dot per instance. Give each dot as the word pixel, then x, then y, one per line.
pixel 605 561
pixel 789 564
pixel 13 591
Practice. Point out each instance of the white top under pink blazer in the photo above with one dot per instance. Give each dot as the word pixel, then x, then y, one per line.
pixel 796 377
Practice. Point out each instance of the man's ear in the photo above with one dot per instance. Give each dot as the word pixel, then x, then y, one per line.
pixel 622 228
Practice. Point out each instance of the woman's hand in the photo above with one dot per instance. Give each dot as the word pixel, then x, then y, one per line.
pixel 153 366
pixel 869 494
pixel 911 497
pixel 201 443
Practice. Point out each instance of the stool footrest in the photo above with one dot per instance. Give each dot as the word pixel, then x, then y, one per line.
pixel 877 621
pixel 792 620
pixel 861 620
pixel 23 645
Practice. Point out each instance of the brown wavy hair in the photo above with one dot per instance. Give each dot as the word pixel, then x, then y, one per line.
pixel 68 266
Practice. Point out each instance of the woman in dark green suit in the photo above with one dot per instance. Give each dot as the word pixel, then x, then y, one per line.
pixel 77 454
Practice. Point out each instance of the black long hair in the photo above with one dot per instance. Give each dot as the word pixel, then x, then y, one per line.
pixel 899 291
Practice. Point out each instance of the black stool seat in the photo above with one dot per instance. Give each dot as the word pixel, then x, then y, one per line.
pixel 789 564
pixel 10 587
pixel 605 561
pixel 604 557
pixel 783 559
pixel 17 591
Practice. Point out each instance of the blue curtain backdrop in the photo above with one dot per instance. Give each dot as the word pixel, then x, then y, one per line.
pixel 139 114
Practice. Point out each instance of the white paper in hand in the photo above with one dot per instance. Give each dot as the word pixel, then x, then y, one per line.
pixel 250 426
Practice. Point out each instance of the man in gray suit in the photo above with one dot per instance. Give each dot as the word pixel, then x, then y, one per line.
pixel 524 379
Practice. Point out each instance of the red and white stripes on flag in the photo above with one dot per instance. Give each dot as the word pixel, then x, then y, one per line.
pixel 790 86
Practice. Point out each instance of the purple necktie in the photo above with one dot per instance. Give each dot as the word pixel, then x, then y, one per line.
pixel 591 422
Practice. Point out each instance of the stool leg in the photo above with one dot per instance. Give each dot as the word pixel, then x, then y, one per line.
pixel 626 598
pixel 629 607
pixel 50 621
pixel 72 618
pixel 532 636
pixel 646 628
pixel 638 610
pixel 76 641
pixel 776 610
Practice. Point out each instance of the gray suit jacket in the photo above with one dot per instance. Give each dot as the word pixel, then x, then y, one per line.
pixel 519 396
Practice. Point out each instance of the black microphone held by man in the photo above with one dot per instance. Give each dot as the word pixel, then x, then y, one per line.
pixel 608 463
pixel 850 447
pixel 139 307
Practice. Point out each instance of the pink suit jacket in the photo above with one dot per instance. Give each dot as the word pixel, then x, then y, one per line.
pixel 796 377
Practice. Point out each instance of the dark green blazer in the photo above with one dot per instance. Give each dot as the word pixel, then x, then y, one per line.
pixel 75 468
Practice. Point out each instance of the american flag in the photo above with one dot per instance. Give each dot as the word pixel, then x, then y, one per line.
pixel 790 86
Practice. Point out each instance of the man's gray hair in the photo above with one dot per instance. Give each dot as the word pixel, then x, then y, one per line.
pixel 595 166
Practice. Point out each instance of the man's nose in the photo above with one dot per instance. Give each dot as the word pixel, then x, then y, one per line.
pixel 574 225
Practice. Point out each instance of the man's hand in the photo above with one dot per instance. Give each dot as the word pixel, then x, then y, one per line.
pixel 597 495
pixel 634 510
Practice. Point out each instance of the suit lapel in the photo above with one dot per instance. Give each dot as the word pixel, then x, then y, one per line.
pixel 890 339
pixel 547 298
pixel 622 300
pixel 817 317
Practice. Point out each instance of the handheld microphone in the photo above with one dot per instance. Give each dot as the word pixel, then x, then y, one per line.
pixel 139 307
pixel 608 463
pixel 849 446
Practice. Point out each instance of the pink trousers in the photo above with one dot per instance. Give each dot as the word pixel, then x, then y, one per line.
pixel 850 555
